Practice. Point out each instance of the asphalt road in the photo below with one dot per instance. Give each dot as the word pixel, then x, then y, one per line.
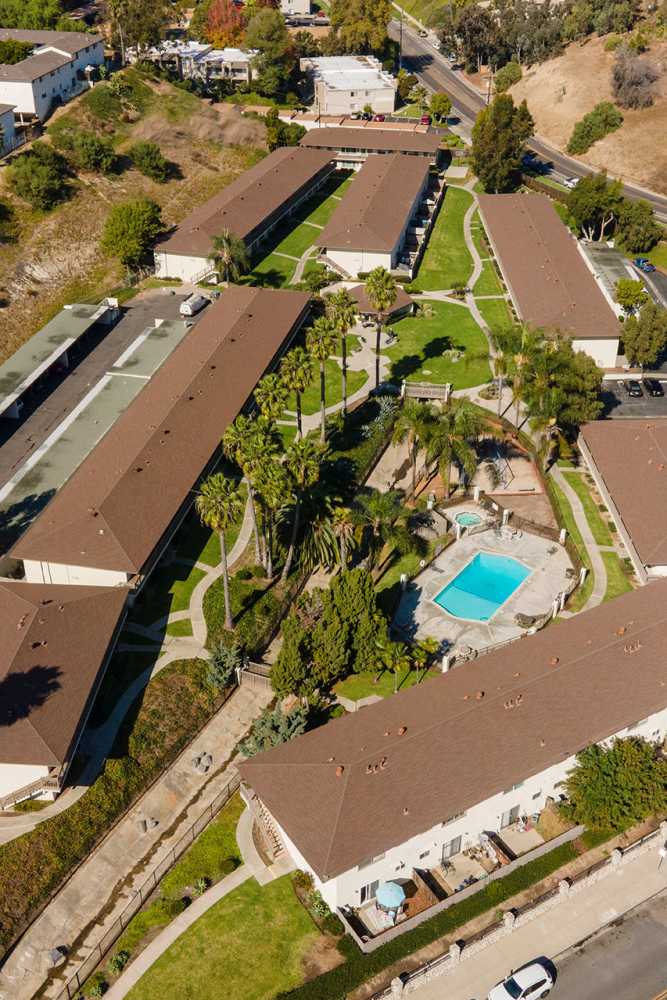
pixel 422 59
pixel 626 961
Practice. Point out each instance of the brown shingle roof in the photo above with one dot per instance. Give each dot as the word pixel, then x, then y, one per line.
pixel 631 457
pixel 33 67
pixel 402 301
pixel 469 734
pixel 68 41
pixel 547 276
pixel 112 513
pixel 372 139
pixel 53 642
pixel 244 205
pixel 373 212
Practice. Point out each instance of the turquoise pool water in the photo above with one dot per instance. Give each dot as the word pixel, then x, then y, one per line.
pixel 482 586
pixel 467 518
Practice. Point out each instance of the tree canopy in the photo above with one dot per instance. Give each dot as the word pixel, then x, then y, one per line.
pixel 131 228
pixel 645 335
pixel 498 143
pixel 360 25
pixel 274 62
pixel 594 205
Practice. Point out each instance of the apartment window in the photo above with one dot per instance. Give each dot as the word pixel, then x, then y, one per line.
pixel 424 854
pixel 368 891
pixel 655 735
pixel 536 795
pixel 450 848
pixel 450 819
pixel 509 817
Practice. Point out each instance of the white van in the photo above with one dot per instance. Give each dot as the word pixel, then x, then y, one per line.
pixel 193 304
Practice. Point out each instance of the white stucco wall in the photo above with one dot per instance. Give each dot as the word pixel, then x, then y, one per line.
pixel 174 265
pixel 295 6
pixel 15 776
pixel 330 101
pixel 8 132
pixel 45 572
pixel 603 352
pixel 20 95
pixel 355 262
pixel 425 849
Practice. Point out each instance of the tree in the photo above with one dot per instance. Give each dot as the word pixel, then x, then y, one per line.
pixel 341 310
pixel 473 33
pixel 414 423
pixel 633 80
pixel 271 396
pixel 498 143
pixel 31 14
pixel 594 205
pixel 506 76
pixel 13 51
pixel 280 133
pixel 306 45
pixel 343 527
pixel 302 462
pixel 419 96
pixel 138 23
pixel 230 255
pixel 251 443
pixel 317 277
pixel 636 229
pixel 353 594
pixel 225 23
pixel 381 292
pixel 148 159
pixel 296 371
pixel 603 119
pixel 440 106
pixel 321 343
pixel 630 295
pixel 385 523
pixel 39 176
pixel 645 335
pixel 360 26
pixel 274 490
pixel 219 506
pixel 131 228
pixel 274 62
pixel 404 83
pixel 223 664
pixel 274 727
pixel 395 656
pixel 452 440
pixel 610 788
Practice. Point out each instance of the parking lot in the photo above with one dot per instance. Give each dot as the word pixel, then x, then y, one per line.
pixel 618 403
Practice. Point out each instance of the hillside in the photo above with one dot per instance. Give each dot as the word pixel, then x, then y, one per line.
pixel 54 257
pixel 563 90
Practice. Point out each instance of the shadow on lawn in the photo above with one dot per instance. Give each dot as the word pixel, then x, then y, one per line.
pixel 406 366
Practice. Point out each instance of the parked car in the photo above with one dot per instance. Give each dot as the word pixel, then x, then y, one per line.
pixel 571 182
pixel 378 118
pixel 633 388
pixel 644 264
pixel 425 120
pixel 193 304
pixel 367 116
pixel 529 983
pixel 653 387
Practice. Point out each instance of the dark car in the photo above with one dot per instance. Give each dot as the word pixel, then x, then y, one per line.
pixel 644 264
pixel 378 118
pixel 633 388
pixel 653 387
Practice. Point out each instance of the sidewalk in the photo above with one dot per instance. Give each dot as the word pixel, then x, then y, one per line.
pixel 597 563
pixel 553 933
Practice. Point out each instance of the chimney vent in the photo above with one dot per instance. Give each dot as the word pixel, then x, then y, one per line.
pixel 339 771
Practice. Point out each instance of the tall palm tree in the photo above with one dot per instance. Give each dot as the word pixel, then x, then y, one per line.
pixel 396 657
pixel 500 370
pixel 414 422
pixel 341 309
pixel 273 487
pixel 384 522
pixel 343 526
pixel 296 371
pixel 381 292
pixel 271 396
pixel 302 462
pixel 249 443
pixel 321 343
pixel 230 255
pixel 451 439
pixel 219 505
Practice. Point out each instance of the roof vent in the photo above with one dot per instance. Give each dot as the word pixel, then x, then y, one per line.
pixel 554 661
pixel 632 647
pixel 543 743
pixel 38 643
pixel 387 732
pixel 339 771
pixel 479 695
pixel 330 760
pixel 402 730
pixel 139 468
pixel 405 810
pixel 45 601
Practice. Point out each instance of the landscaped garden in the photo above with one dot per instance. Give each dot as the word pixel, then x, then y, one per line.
pixel 447 259
pixel 381 682
pixel 496 312
pixel 310 399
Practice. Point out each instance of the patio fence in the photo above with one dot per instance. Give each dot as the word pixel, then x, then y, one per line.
pixel 109 938
pixel 371 944
pixel 463 950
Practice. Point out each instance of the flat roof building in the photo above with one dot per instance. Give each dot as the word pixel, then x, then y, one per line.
pixel 550 284
pixel 111 520
pixel 250 207
pixel 352 145
pixel 345 84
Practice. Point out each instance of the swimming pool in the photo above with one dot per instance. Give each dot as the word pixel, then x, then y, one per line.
pixel 466 518
pixel 485 583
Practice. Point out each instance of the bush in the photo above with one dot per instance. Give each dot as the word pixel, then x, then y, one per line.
pixel 633 80
pixel 39 176
pixel 612 43
pixel 506 76
pixel 200 887
pixel 245 573
pixel 303 880
pixel 148 160
pixel 118 961
pixel 96 986
pixel 12 51
pixel 603 119
pixel 131 228
pixel 85 150
pixel 333 925
pixel 256 611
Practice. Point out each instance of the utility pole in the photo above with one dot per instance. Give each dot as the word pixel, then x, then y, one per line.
pixel 400 41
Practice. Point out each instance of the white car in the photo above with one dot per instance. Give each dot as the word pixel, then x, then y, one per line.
pixel 571 182
pixel 531 982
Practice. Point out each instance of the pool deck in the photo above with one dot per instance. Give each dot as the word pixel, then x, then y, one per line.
pixel 419 616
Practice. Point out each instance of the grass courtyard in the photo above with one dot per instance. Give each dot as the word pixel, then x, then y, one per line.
pixel 442 345
pixel 358 686
pixel 447 259
pixel 496 312
pixel 488 282
pixel 310 400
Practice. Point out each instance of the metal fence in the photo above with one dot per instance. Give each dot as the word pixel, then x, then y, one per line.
pixel 86 969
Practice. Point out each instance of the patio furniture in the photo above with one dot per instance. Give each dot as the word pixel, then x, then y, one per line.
pixel 389 898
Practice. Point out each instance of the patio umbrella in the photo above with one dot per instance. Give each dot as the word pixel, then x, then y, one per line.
pixel 390 896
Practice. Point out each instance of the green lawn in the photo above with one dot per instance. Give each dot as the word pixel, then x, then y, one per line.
pixel 658 256
pixel 299 240
pixel 598 526
pixel 496 312
pixel 581 595
pixel 169 589
pixel 478 237
pixel 488 282
pixel 310 401
pixel 409 111
pixel 447 259
pixel 272 272
pixel 181 627
pixel 358 686
pixel 617 579
pixel 249 946
pixel 419 355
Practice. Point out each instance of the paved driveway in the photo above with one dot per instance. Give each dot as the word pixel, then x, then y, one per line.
pixel 618 404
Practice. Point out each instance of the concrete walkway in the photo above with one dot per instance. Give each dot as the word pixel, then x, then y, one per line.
pixel 597 563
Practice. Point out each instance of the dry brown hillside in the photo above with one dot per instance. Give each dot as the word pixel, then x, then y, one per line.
pixel 56 258
pixel 563 90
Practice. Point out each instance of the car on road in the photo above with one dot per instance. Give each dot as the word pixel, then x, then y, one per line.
pixel 529 983
pixel 644 264
pixel 193 304
pixel 422 33
pixel 571 182
pixel 528 159
pixel 379 118
pixel 633 388
pixel 425 120
pixel 653 387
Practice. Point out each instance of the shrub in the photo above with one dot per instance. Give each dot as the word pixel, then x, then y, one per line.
pixel 333 924
pixel 13 51
pixel 118 961
pixel 102 102
pixel 200 887
pixel 612 43
pixel 506 76
pixel 603 119
pixel 85 150
pixel 303 880
pixel 96 986
pixel 148 159
pixel 223 665
pixel 38 175
pixel 245 573
pixel 633 80
pixel 318 905
pixel 130 230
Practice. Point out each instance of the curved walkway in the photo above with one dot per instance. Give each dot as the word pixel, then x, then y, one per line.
pixel 597 563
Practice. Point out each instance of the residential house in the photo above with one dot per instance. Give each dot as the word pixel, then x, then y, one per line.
pixel 352 145
pixel 292 7
pixel 345 84
pixel 199 61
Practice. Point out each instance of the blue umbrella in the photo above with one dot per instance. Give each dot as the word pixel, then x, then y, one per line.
pixel 390 895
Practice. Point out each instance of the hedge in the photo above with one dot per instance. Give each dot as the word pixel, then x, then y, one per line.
pixel 359 967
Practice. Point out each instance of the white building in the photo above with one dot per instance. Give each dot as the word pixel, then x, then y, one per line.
pixel 345 84
pixel 58 68
pixel 7 131
pixel 290 7
pixel 407 784
pixel 198 61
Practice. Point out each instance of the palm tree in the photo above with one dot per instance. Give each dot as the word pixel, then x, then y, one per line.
pixel 343 526
pixel 273 487
pixel 451 439
pixel 385 522
pixel 321 343
pixel 423 652
pixel 319 545
pixel 219 505
pixel 396 657
pixel 302 462
pixel 341 309
pixel 271 396
pixel 414 422
pixel 381 292
pixel 296 371
pixel 230 255
pixel 249 443
pixel 500 370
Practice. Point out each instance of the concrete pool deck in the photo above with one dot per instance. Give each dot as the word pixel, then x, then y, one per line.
pixel 419 616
